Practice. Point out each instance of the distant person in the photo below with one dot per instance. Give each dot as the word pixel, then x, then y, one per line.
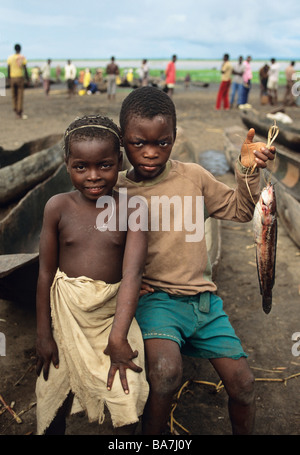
pixel 58 73
pixel 237 80
pixel 247 80
pixel 263 78
pixel 187 80
pixel 223 93
pixel 171 76
pixel 99 81
pixel 144 73
pixel 112 71
pixel 70 76
pixel 46 76
pixel 35 76
pixel 290 72
pixel 272 85
pixel 17 73
pixel 87 77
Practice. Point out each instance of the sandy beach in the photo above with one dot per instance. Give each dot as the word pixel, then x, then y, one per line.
pixel 202 407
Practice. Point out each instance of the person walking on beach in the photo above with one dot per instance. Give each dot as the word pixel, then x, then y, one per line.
pixel 70 76
pixel 223 93
pixel 171 76
pixel 46 75
pixel 237 80
pixel 112 71
pixel 16 72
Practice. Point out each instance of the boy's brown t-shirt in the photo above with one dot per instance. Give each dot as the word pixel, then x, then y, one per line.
pixel 179 200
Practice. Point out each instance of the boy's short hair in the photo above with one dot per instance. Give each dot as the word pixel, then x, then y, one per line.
pixel 147 102
pixel 91 127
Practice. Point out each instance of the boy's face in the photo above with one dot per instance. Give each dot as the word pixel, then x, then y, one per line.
pixel 148 144
pixel 93 166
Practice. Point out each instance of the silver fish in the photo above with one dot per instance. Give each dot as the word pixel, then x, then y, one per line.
pixel 265 237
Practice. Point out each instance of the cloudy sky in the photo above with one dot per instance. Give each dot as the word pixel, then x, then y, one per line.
pixel 150 28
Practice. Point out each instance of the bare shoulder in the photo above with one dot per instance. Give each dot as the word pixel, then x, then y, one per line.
pixel 59 201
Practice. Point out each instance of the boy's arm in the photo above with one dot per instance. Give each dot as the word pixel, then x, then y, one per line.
pixel 118 347
pixel 46 347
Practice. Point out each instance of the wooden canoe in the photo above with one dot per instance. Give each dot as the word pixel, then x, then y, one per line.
pixel 8 157
pixel 288 136
pixel 284 172
pixel 19 177
pixel 19 238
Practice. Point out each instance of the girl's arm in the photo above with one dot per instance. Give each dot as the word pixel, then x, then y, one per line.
pixel 46 347
pixel 118 347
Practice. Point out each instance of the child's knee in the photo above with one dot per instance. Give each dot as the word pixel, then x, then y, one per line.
pixel 242 388
pixel 165 377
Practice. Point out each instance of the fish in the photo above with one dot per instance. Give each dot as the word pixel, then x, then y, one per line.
pixel 265 238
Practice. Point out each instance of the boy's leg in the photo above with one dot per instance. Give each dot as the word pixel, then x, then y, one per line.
pixel 238 381
pixel 164 373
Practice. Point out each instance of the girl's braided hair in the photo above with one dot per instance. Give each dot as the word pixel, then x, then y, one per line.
pixel 91 127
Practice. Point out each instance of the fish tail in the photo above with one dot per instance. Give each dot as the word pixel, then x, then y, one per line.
pixel 267 303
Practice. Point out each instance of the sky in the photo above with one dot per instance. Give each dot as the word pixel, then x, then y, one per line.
pixel 152 29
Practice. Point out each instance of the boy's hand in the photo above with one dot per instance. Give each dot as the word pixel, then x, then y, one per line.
pixel 121 356
pixel 255 153
pixel 46 352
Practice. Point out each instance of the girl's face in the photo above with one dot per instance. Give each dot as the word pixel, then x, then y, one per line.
pixel 148 144
pixel 93 166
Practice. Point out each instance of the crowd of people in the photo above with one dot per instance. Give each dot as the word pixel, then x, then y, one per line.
pixel 239 78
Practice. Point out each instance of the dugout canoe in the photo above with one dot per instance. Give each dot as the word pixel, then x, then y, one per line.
pixel 284 172
pixel 8 157
pixel 20 226
pixel 289 136
pixel 23 174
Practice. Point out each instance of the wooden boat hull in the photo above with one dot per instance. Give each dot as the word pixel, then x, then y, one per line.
pixel 19 238
pixel 288 136
pixel 18 178
pixel 284 173
pixel 8 157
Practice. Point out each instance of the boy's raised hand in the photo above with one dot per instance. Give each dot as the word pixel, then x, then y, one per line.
pixel 255 152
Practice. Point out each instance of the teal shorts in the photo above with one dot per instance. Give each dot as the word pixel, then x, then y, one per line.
pixel 197 323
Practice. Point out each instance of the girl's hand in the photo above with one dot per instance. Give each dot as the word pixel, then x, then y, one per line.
pixel 47 352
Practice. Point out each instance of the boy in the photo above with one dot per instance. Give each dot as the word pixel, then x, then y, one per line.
pixel 88 286
pixel 180 311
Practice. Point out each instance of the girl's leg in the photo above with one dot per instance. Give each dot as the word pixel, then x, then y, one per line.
pixel 58 424
pixel 164 373
pixel 238 381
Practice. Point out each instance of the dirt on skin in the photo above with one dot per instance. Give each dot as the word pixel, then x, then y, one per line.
pixel 202 406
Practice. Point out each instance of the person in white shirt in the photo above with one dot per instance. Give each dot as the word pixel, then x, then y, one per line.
pixel 272 84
